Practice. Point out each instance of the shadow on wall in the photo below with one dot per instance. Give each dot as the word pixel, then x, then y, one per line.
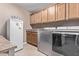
pixel 3 30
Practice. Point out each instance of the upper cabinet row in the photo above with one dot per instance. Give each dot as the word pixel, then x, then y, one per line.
pixel 74 10
pixel 56 12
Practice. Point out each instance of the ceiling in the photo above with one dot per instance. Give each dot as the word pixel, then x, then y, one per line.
pixel 34 7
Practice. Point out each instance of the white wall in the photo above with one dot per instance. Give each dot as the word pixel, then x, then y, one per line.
pixel 7 10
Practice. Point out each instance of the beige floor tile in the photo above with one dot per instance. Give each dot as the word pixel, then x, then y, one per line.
pixel 28 50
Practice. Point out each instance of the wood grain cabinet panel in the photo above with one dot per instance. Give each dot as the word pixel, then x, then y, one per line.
pixel 44 16
pixel 60 12
pixel 51 13
pixel 67 11
pixel 28 37
pixel 32 20
pixel 38 17
pixel 73 10
pixel 32 38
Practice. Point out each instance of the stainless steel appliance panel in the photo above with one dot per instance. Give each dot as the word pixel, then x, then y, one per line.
pixel 45 42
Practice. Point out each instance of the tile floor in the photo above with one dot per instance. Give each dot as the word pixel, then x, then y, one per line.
pixel 28 50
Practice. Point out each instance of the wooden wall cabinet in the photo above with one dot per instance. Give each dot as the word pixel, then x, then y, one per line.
pixel 32 20
pixel 57 12
pixel 73 10
pixel 60 11
pixel 32 38
pixel 44 16
pixel 51 14
pixel 38 19
pixel 67 11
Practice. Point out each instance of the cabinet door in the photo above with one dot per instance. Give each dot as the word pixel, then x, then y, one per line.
pixel 73 10
pixel 38 17
pixel 34 38
pixel 32 20
pixel 28 37
pixel 67 11
pixel 51 14
pixel 60 12
pixel 44 16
